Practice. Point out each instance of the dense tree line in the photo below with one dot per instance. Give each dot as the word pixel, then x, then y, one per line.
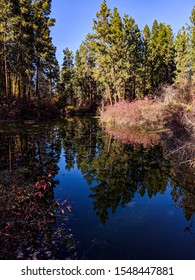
pixel 28 65
pixel 118 61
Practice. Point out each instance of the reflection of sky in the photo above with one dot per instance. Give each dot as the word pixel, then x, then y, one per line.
pixel 144 229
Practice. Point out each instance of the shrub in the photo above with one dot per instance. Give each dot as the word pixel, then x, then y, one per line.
pixel 136 113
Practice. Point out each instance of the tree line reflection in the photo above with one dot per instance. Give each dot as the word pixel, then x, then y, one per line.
pixel 120 170
pixel 115 172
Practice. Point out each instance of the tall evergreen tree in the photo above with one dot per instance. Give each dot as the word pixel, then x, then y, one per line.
pixel 66 80
pixel 133 48
pixel 79 78
pixel 8 23
pixel 84 82
pixel 23 52
pixel 43 42
pixel 27 55
pixel 192 45
pixel 99 43
pixel 52 70
pixel 117 55
pixel 161 55
pixel 147 67
pixel 182 59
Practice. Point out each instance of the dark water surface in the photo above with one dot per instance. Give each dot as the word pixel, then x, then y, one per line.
pixel 69 190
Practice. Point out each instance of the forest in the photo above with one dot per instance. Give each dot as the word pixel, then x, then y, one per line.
pixel 116 62
pixel 110 129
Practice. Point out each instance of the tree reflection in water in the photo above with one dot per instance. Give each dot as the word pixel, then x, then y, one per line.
pixel 28 211
pixel 122 169
pixel 116 171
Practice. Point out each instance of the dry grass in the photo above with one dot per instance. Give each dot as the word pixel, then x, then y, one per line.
pixel 136 113
pixel 169 111
pixel 152 113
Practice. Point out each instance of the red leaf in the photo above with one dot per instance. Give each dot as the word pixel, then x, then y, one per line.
pixel 39 194
pixel 69 208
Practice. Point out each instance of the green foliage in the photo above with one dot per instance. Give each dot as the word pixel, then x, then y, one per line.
pixel 160 55
pixel 118 61
pixel 192 52
pixel 182 59
pixel 66 79
pixel 27 57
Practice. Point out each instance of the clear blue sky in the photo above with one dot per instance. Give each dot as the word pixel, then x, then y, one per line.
pixel 74 18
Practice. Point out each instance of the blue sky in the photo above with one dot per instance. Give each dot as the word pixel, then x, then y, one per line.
pixel 74 18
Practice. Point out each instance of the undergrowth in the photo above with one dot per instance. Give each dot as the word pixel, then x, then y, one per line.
pixel 168 111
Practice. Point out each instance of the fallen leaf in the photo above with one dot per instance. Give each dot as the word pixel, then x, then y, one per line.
pixel 69 208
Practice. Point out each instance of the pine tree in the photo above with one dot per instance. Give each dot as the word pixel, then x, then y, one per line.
pixel 133 57
pixel 161 54
pixel 27 53
pixel 182 59
pixel 192 46
pixel 167 53
pixel 52 70
pixel 66 81
pixel 99 44
pixel 117 55
pixel 43 42
pixel 7 37
pixel 79 78
pixel 147 69
pixel 23 53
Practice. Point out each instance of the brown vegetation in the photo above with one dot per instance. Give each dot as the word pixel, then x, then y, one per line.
pixel 12 108
pixel 170 118
pixel 168 111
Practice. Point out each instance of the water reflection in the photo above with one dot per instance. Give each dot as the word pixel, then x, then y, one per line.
pixel 120 170
pixel 28 163
pixel 36 221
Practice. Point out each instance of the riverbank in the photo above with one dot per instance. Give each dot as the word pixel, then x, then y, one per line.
pixel 169 119
pixel 167 112
pixel 15 109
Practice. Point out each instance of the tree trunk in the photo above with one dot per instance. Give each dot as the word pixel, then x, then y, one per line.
pixel 29 95
pixel 6 72
pixel 50 87
pixel 10 157
pixel 24 88
pixel 115 89
pixel 15 86
pixel 19 88
pixel 90 91
pixel 109 94
pixel 37 79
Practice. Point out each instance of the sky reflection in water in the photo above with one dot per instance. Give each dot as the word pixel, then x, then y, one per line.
pixel 114 200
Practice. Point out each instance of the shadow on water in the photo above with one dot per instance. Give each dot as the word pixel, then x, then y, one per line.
pixel 56 176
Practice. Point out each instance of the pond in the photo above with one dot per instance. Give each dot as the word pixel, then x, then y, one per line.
pixel 70 190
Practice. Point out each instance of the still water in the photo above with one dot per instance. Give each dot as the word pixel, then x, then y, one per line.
pixel 69 190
